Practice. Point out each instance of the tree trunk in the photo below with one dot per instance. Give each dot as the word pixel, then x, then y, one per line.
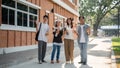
pixel 95 30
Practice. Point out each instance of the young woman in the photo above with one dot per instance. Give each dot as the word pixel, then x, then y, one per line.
pixel 57 41
pixel 69 40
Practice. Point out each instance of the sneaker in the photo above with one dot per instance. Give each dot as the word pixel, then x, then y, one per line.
pixel 80 62
pixel 44 61
pixel 40 62
pixel 84 63
pixel 67 62
pixel 57 61
pixel 52 62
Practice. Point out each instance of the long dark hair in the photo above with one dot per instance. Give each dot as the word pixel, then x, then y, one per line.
pixel 71 19
pixel 56 23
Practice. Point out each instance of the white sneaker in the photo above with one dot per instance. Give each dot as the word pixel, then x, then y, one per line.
pixel 40 62
pixel 67 62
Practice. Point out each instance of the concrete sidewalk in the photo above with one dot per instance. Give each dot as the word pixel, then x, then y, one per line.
pixel 99 52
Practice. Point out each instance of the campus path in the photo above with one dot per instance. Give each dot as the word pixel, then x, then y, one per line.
pixel 99 50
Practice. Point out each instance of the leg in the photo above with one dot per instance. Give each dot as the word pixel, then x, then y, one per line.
pixel 58 52
pixel 53 52
pixel 40 44
pixel 71 48
pixel 85 53
pixel 81 51
pixel 66 49
pixel 44 50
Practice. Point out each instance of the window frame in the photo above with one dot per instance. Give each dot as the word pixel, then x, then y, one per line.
pixel 12 27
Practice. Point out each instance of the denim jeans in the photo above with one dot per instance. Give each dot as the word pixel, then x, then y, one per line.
pixel 83 49
pixel 55 47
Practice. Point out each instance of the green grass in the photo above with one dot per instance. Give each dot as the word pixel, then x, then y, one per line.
pixel 116 44
pixel 116 48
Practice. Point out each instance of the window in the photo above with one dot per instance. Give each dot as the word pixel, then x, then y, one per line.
pixel 11 17
pixel 4 16
pixel 8 16
pixel 21 19
pixel 22 7
pixel 32 21
pixel 25 19
pixel 18 14
pixel 34 11
pixel 10 3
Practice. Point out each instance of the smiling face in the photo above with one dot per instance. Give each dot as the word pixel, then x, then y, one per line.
pixel 69 21
pixel 82 21
pixel 58 23
pixel 45 19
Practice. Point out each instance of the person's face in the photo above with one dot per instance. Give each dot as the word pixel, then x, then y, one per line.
pixel 58 24
pixel 69 21
pixel 45 19
pixel 82 20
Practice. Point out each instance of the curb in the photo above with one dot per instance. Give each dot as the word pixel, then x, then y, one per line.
pixel 113 60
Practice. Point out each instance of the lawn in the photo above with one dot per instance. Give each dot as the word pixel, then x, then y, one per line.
pixel 116 48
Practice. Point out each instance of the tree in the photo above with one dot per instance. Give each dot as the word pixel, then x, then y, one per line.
pixel 97 9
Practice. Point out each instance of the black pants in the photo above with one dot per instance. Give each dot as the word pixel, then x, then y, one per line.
pixel 41 50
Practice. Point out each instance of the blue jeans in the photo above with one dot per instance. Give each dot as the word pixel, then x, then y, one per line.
pixel 83 49
pixel 54 50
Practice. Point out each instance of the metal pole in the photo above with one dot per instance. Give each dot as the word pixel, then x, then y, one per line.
pixel 118 22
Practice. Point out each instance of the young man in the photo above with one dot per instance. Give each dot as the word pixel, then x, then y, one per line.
pixel 83 31
pixel 42 38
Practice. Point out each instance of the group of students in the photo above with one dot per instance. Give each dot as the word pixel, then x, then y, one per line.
pixel 66 33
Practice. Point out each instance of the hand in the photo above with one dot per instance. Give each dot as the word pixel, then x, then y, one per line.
pixel 88 31
pixel 37 22
pixel 46 34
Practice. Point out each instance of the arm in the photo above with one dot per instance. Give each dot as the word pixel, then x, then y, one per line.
pixel 37 25
pixel 88 31
pixel 47 33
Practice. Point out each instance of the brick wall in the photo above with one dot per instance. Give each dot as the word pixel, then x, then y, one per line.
pixel 17 38
pixel 69 3
pixel 37 2
pixel 21 38
pixel 10 38
pixel 3 38
pixel 29 38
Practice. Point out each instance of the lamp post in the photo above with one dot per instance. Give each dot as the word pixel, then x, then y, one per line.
pixel 118 20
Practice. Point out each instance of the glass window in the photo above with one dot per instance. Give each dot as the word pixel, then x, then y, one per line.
pixel 10 3
pixel 22 7
pixel 11 17
pixel 31 21
pixel 32 10
pixel 25 19
pixel 19 18
pixel 4 16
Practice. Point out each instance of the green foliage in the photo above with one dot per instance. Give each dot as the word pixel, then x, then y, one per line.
pixel 97 9
pixel 116 40
pixel 116 44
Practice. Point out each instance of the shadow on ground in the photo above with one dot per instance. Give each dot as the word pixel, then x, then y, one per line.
pixel 99 53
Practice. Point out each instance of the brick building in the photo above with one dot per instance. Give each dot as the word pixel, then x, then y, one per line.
pixel 17 20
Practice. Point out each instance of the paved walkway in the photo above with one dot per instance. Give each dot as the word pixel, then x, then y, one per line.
pixel 99 51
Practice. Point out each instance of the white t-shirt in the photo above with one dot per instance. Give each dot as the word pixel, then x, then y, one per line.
pixel 43 30
pixel 82 39
pixel 70 34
